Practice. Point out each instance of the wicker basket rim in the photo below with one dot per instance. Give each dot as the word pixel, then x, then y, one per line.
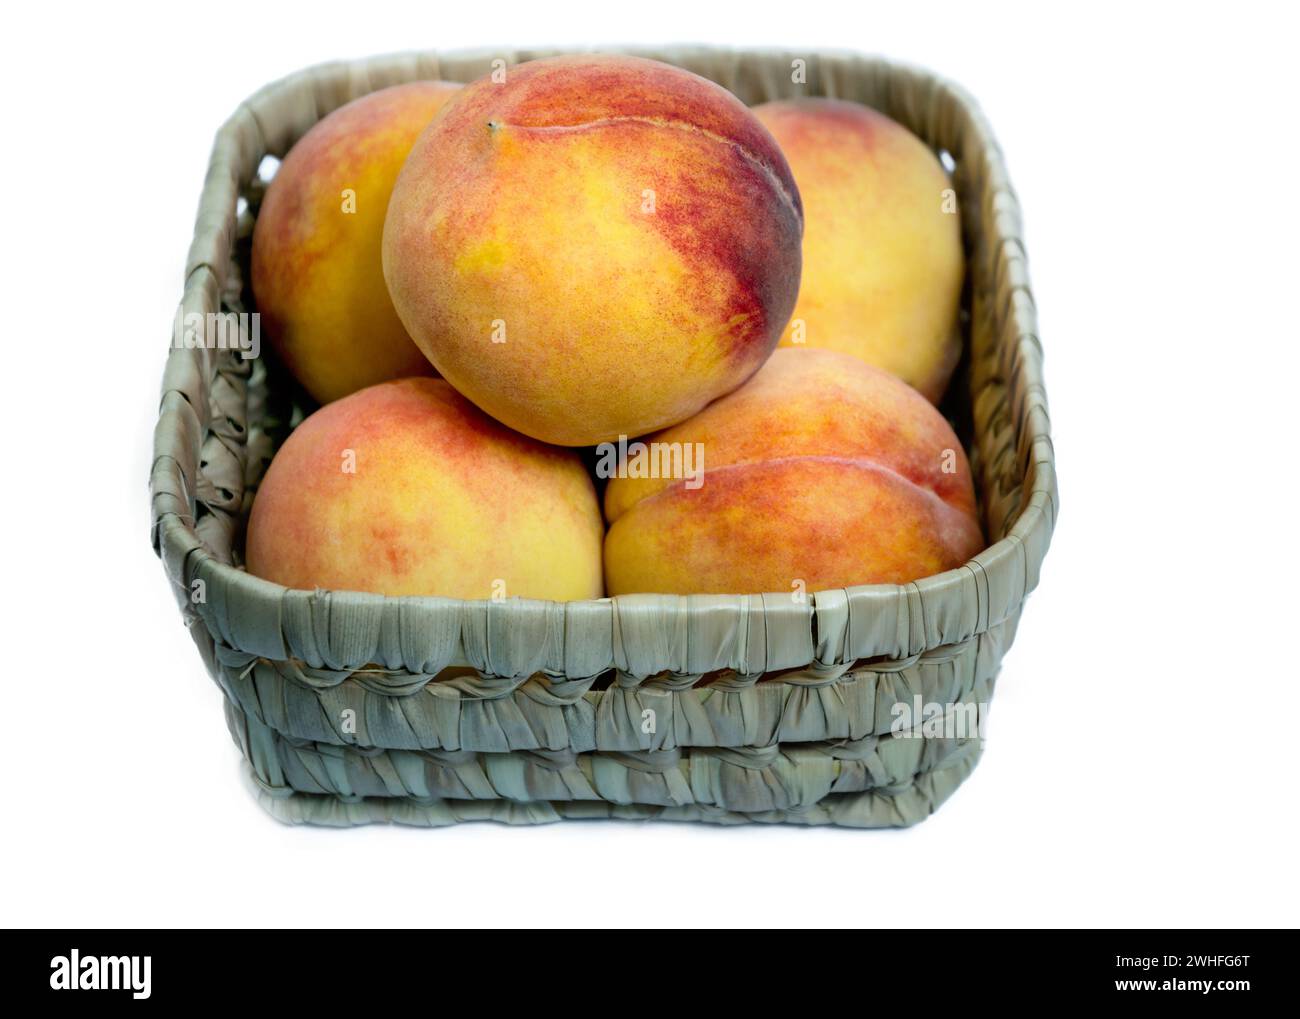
pixel 174 534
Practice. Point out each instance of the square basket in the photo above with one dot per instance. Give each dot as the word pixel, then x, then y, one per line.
pixel 354 707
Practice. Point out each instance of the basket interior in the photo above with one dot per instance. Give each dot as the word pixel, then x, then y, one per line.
pixel 277 403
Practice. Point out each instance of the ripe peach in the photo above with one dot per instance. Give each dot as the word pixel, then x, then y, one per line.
pixel 882 252
pixel 820 470
pixel 597 246
pixel 407 488
pixel 317 272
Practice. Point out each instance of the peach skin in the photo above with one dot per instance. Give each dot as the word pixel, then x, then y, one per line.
pixel 597 246
pixel 317 272
pixel 882 251
pixel 820 472
pixel 408 488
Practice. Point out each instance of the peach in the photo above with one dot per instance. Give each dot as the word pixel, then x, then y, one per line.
pixel 317 272
pixel 596 246
pixel 820 472
pixel 882 252
pixel 407 488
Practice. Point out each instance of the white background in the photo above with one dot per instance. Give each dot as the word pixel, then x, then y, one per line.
pixel 1141 767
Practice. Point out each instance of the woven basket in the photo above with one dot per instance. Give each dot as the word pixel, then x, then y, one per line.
pixel 752 707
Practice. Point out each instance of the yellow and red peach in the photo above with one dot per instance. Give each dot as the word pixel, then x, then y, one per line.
pixel 821 471
pixel 882 253
pixel 317 271
pixel 408 488
pixel 596 246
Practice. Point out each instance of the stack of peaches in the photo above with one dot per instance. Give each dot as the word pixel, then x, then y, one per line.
pixel 593 279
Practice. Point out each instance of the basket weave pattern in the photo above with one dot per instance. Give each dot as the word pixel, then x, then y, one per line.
pixel 766 707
